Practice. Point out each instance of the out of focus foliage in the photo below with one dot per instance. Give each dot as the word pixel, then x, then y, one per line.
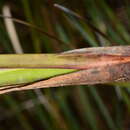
pixel 98 107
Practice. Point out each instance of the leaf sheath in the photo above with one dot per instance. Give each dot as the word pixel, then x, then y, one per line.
pixel 93 66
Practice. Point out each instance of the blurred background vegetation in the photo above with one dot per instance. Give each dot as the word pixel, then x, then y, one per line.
pixel 99 23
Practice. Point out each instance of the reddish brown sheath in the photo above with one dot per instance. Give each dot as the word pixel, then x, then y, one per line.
pixel 102 65
pixel 75 59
